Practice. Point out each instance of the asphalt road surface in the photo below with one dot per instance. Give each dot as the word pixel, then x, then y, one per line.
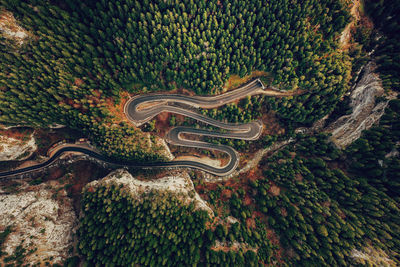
pixel 143 108
pixel 154 104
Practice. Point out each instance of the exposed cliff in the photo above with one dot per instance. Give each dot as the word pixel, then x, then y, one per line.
pixel 366 109
pixel 16 149
pixel 42 220
pixel 178 183
pixel 166 152
pixel 10 29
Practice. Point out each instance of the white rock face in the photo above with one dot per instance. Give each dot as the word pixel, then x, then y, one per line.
pixel 179 183
pixel 166 151
pixel 44 222
pixel 365 110
pixel 14 149
pixel 371 255
pixel 159 142
pixel 56 126
pixel 10 29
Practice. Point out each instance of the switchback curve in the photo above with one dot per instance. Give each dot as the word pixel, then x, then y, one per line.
pixel 154 104
pixel 245 131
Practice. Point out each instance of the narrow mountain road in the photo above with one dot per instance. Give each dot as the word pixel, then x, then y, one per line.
pixel 143 108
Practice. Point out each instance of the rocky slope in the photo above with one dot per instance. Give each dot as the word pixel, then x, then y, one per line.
pixel 370 256
pixel 42 220
pixel 179 182
pixel 10 29
pixel 166 152
pixel 14 149
pixel 366 107
pixel 366 110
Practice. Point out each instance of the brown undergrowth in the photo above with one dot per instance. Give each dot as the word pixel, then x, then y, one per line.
pixel 19 133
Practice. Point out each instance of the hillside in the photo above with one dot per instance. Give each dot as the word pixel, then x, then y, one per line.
pixel 71 68
pixel 199 133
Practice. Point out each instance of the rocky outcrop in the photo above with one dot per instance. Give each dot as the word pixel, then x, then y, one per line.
pixel 56 126
pixel 10 29
pixel 14 149
pixel 178 183
pixel 166 152
pixel 370 256
pixel 366 110
pixel 42 220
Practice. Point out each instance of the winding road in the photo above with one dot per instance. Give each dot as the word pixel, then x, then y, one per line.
pixel 141 109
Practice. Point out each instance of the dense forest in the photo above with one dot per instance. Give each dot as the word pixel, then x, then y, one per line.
pixel 322 214
pixel 308 204
pixel 158 229
pixel 73 67
pixel 385 17
pixel 324 205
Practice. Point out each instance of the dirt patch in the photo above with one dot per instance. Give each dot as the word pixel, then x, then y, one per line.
pixel 204 160
pixel 117 110
pixel 298 177
pixel 274 190
pixel 151 174
pixel 28 163
pixel 162 123
pixel 235 81
pixel 223 161
pixel 271 124
pixel 82 173
pixel 55 174
pixel 345 37
pixel 275 92
pixel 180 151
pixel 234 246
pixel 226 194
pixel 250 223
pixel 182 91
pixel 277 253
pixel 359 18
pixel 19 133
pixel 45 138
